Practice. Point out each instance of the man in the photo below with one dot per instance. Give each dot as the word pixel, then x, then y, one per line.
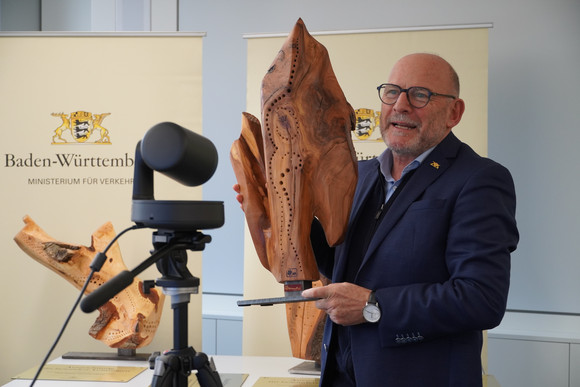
pixel 431 266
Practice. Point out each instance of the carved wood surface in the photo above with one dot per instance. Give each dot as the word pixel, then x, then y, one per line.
pixel 298 165
pixel 301 163
pixel 306 326
pixel 130 319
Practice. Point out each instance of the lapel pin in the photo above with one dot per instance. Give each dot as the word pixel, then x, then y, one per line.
pixel 434 164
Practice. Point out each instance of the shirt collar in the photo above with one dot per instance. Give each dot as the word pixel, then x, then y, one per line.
pixel 386 162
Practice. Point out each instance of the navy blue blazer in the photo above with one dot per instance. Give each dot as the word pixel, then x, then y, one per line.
pixel 440 265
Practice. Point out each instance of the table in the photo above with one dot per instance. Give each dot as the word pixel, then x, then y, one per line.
pixel 254 366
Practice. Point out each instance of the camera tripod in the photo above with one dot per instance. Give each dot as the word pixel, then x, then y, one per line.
pixel 173 367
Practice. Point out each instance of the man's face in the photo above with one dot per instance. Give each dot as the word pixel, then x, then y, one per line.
pixel 409 131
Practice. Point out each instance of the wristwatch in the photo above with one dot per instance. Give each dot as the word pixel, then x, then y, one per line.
pixel 371 311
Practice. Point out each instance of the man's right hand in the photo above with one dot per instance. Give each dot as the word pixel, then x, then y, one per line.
pixel 239 196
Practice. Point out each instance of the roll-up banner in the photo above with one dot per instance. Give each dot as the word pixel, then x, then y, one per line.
pixel 72 110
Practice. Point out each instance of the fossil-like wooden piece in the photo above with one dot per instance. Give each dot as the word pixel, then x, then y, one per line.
pixel 298 165
pixel 130 319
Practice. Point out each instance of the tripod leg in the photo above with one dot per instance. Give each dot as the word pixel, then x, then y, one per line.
pixel 164 370
pixel 207 375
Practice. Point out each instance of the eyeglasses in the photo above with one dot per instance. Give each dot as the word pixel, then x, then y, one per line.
pixel 418 97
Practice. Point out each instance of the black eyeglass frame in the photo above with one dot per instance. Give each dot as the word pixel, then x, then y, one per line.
pixel 406 91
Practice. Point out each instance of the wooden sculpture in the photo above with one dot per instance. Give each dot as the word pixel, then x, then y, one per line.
pixel 301 164
pixel 130 319
pixel 306 326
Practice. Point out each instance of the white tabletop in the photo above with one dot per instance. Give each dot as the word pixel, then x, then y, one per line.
pixel 254 366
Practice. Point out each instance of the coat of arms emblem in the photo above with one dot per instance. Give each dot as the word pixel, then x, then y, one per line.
pixel 81 126
pixel 367 120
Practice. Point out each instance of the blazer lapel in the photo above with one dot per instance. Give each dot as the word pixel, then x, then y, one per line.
pixel 367 179
pixel 432 167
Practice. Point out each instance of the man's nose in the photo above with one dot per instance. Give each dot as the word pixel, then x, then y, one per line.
pixel 402 104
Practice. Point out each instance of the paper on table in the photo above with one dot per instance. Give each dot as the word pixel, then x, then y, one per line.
pixel 228 380
pixel 287 382
pixel 68 372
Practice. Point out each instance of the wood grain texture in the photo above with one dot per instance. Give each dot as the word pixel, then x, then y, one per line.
pixel 299 164
pixel 130 319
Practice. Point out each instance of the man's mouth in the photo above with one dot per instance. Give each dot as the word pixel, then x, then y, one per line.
pixel 404 125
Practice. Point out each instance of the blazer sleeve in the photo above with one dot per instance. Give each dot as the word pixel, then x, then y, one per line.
pixel 479 217
pixel 323 253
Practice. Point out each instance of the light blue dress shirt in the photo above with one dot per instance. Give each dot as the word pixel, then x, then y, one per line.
pixel 386 162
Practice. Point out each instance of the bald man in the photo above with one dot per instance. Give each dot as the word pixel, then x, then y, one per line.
pixel 425 266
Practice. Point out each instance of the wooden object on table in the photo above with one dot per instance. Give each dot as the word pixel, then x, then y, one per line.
pixel 299 165
pixel 306 326
pixel 130 319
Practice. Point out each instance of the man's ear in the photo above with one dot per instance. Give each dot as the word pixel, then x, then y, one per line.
pixel 456 113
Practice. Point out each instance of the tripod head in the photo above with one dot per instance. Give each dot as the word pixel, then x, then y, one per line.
pixel 173 266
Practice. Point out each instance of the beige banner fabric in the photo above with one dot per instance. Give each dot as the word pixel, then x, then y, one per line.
pixel 361 61
pixel 72 110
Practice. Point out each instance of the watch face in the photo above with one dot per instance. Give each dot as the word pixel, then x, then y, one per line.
pixel 371 313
